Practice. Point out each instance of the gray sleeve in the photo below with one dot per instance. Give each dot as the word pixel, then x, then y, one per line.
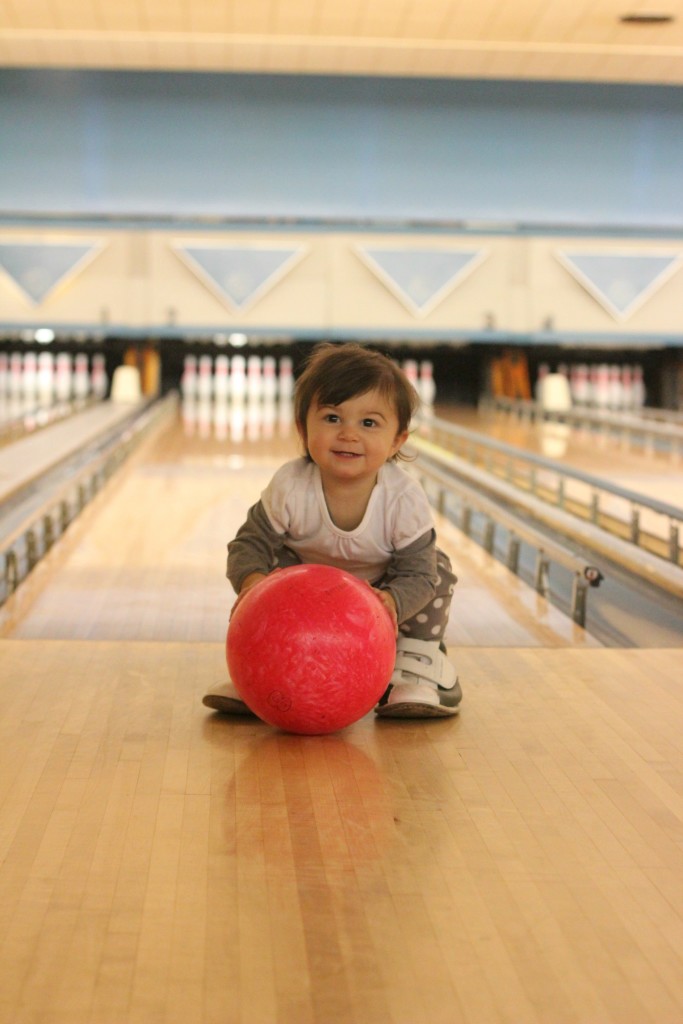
pixel 255 547
pixel 411 576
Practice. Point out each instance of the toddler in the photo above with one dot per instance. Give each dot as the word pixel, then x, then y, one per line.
pixel 347 503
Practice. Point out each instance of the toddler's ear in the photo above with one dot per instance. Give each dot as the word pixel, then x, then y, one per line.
pixel 399 441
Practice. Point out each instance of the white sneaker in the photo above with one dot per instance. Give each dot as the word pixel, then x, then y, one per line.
pixel 424 684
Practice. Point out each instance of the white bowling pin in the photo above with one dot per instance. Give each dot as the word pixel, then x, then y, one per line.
pixel 627 387
pixel 46 378
pixel 205 380
pixel 411 372
pixel 63 377
pixel 238 377
pixel 188 381
pixel 98 380
pixel 221 382
pixel 602 386
pixel 16 374
pixel 582 385
pixel 427 389
pixel 269 389
pixel 29 382
pixel 254 378
pixel 81 382
pixel 615 393
pixel 286 378
pixel 639 394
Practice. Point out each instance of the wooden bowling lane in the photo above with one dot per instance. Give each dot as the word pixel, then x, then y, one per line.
pixel 147 559
pixel 521 863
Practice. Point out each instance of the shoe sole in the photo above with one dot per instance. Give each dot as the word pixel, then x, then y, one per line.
pixel 226 705
pixel 410 709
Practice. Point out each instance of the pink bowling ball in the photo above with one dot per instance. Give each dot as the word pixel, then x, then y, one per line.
pixel 311 649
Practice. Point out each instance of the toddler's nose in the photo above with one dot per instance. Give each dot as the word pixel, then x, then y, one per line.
pixel 347 431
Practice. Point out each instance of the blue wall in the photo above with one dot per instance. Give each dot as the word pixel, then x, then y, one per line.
pixel 238 146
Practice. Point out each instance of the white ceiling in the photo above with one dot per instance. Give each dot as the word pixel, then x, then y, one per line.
pixel 534 39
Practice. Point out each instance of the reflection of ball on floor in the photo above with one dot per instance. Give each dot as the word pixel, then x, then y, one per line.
pixel 311 649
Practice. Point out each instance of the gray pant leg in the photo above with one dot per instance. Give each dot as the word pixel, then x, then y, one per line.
pixel 430 623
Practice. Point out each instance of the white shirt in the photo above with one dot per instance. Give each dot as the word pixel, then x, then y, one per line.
pixel 397 514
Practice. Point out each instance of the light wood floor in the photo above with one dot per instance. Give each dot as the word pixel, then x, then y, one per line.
pixel 522 863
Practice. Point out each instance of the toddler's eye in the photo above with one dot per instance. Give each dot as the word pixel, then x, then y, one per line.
pixel 369 423
pixel 331 417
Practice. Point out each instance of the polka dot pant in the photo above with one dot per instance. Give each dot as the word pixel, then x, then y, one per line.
pixel 431 622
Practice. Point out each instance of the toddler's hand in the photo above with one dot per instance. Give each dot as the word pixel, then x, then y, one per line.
pixel 248 582
pixel 390 605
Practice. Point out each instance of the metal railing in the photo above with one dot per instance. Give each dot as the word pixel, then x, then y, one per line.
pixel 647 523
pixel 24 547
pixel 439 485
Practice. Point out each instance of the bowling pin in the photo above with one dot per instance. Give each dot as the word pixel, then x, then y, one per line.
pixel 254 378
pixel 46 378
pixel 16 375
pixel 269 389
pixel 29 381
pixel 581 393
pixel 238 377
pixel 639 394
pixel 205 380
pixel 285 379
pixel 427 389
pixel 627 387
pixel 615 392
pixel 221 383
pixel 98 380
pixel 63 384
pixel 411 372
pixel 188 381
pixel 602 388
pixel 81 381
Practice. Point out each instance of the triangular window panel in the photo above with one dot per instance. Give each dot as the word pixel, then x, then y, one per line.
pixel 620 281
pixel 37 269
pixel 420 278
pixel 239 274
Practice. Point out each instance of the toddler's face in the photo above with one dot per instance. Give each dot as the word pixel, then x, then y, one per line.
pixel 354 439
